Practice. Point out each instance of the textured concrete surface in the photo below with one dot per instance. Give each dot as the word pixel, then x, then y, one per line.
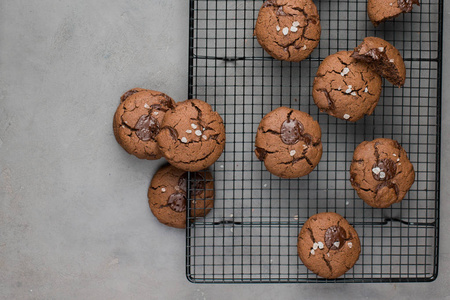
pixel 73 220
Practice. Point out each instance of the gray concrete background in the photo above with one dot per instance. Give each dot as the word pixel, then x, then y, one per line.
pixel 74 220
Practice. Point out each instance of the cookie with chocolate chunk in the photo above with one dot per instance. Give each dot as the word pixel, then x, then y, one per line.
pixel 328 245
pixel 381 172
pixel 168 195
pixel 346 88
pixel 288 29
pixel 192 135
pixel 137 121
pixel 289 142
pixel 383 58
pixel 383 10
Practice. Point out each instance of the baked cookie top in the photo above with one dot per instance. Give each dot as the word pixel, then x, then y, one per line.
pixel 288 29
pixel 383 10
pixel 346 88
pixel 137 121
pixel 381 172
pixel 328 245
pixel 192 135
pixel 167 195
pixel 383 58
pixel 289 142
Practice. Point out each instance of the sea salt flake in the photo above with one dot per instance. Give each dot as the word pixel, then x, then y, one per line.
pixel 315 246
pixel 231 215
pixel 339 88
pixel 366 90
pixel 265 185
pixel 394 154
pixel 376 170
pixel 313 252
pixel 353 94
pixel 398 159
pixel 294 29
pixel 156 113
pixel 345 71
pixel 204 137
pixel 347 202
pixel 278 28
pixel 328 254
pixel 184 140
pixel 391 60
pixel 231 229
pixel 285 30
pixel 336 244
pixel 221 166
pixel 295 23
pixel 350 244
pixel 198 132
pixel 193 126
pixel 349 90
pixel 296 217
pixel 163 190
pixel 146 105
pixel 188 131
pixel 292 152
pixel 346 116
pixel 381 49
pixel 320 244
pixel 382 175
pixel 304 47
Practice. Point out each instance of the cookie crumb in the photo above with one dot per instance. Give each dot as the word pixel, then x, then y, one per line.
pixel 350 245
pixel 193 126
pixel 313 252
pixel 146 105
pixel 315 246
pixel 163 190
pixel 345 71
pixel 198 132
pixel 188 131
pixel 336 244
pixel 278 28
pixel 184 140
pixel 295 23
pixel 382 175
pixel 320 244
pixel 346 116
pixel 285 30
pixel 292 153
pixel 376 170
pixel 294 29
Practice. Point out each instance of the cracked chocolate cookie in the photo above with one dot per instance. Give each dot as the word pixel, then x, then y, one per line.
pixel 381 172
pixel 288 29
pixel 346 88
pixel 288 141
pixel 167 195
pixel 192 135
pixel 137 121
pixel 383 58
pixel 383 10
pixel 328 245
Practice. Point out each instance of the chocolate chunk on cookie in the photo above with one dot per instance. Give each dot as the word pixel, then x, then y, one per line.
pixel 346 88
pixel 192 135
pixel 288 141
pixel 381 172
pixel 167 195
pixel 328 245
pixel 383 10
pixel 288 29
pixel 383 58
pixel 137 121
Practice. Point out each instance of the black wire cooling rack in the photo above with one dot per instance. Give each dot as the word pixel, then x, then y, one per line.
pixel 251 234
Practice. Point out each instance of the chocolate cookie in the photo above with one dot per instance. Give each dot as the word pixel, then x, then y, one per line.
pixel 383 58
pixel 137 121
pixel 288 29
pixel 167 195
pixel 192 135
pixel 383 10
pixel 328 245
pixel 346 88
pixel 381 172
pixel 288 141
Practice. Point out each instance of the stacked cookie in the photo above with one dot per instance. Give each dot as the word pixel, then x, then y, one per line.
pixel 189 134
